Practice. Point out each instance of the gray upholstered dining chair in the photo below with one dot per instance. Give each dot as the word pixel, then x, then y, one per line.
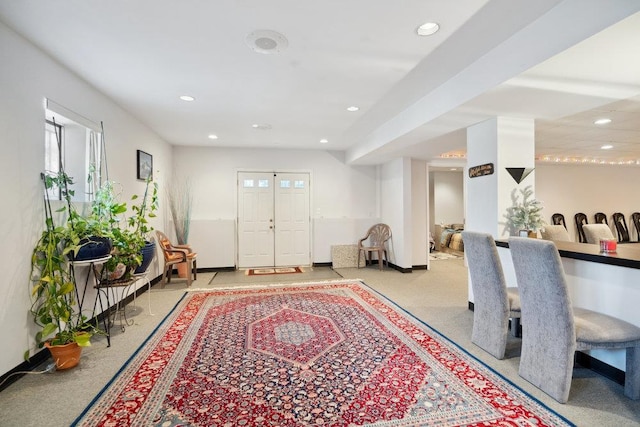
pixel 594 232
pixel 494 303
pixel 555 232
pixel 553 330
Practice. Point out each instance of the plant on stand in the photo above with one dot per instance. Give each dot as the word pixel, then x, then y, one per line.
pixel 131 241
pixel 524 217
pixel 54 297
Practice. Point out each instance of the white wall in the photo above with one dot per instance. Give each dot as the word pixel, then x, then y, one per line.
pixel 395 201
pixel 569 189
pixel 27 76
pixel 419 216
pixel 344 199
pixel 448 197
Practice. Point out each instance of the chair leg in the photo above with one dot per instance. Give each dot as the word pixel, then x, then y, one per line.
pixel 632 374
pixel 359 252
pixel 195 270
pixel 380 260
pixel 515 327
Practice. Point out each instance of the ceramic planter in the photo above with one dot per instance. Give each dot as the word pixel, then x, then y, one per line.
pixel 65 356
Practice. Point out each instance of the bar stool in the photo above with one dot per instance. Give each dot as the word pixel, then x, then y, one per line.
pixel 494 303
pixel 548 347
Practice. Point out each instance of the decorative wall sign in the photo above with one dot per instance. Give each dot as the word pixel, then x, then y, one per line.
pixel 482 170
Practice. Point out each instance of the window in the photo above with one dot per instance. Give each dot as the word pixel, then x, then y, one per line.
pixel 285 183
pixel 52 147
pixel 74 144
pixel 263 183
pixel 247 183
pixel 53 153
pixel 299 184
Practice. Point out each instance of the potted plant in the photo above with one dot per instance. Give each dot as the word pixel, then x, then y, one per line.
pixel 54 298
pixel 139 222
pixel 131 246
pixel 525 217
pixel 88 236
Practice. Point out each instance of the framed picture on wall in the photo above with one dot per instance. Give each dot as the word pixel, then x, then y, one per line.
pixel 145 165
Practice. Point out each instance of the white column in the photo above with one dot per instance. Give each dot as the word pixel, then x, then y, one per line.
pixel 506 143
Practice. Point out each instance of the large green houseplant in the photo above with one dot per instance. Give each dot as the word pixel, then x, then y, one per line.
pixel 54 298
pixel 131 238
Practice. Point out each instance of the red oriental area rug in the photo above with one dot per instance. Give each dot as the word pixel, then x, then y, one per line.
pixel 331 354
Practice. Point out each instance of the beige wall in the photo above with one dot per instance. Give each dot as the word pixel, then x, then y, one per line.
pixel 569 189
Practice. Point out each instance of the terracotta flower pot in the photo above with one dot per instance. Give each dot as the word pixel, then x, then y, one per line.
pixel 65 356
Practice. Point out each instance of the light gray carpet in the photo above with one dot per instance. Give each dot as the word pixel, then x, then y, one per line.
pixel 438 297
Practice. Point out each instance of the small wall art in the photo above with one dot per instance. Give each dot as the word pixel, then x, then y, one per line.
pixel 145 165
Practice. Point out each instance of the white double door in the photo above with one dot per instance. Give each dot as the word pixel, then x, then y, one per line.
pixel 273 219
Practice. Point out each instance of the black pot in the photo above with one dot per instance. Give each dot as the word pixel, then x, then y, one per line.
pixel 92 248
pixel 148 252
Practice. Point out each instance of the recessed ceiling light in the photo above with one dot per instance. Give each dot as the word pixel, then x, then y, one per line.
pixel 427 29
pixel 453 169
pixel 602 121
pixel 187 98
pixel 607 147
pixel 324 141
pixel 212 136
pixel 353 108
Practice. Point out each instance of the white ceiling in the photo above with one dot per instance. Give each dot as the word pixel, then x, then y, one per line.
pixel 416 95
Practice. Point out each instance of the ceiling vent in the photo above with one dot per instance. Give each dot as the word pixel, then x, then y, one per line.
pixel 267 42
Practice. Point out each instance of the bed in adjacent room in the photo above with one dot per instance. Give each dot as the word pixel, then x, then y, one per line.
pixel 448 238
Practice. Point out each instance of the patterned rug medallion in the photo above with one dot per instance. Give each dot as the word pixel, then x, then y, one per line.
pixel 272 270
pixel 333 354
